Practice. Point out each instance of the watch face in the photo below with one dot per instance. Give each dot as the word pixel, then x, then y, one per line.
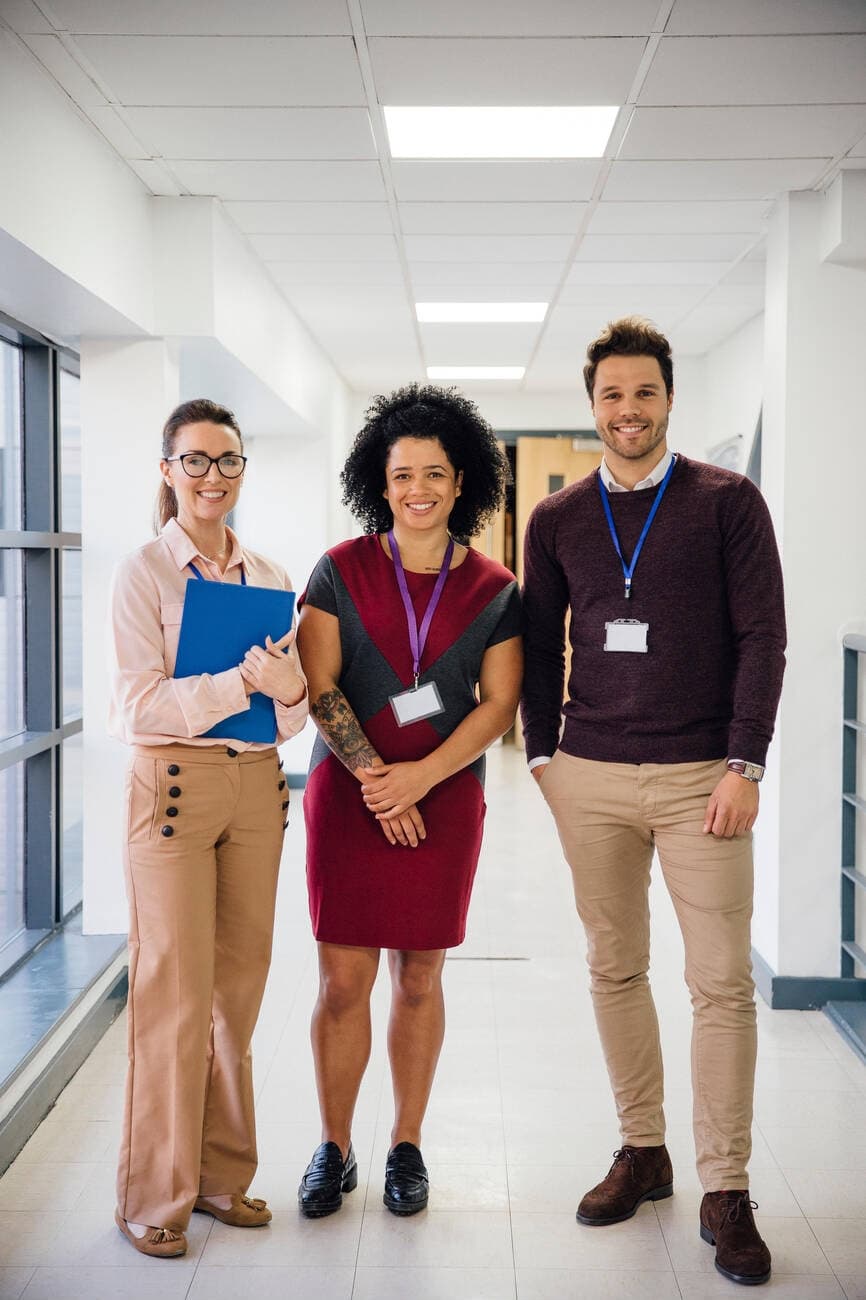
pixel 753 771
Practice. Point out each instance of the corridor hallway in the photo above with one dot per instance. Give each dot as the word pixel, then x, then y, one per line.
pixel 521 1124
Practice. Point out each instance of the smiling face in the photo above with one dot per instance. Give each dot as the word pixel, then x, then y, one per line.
pixel 420 485
pixel 203 500
pixel 631 409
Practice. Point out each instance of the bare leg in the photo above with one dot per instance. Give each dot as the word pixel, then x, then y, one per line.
pixel 340 1034
pixel 415 1033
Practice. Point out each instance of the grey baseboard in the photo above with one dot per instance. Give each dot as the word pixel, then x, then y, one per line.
pixel 25 1117
pixel 803 992
pixel 295 780
pixel 850 1020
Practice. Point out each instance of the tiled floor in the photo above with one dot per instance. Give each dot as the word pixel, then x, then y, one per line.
pixel 520 1124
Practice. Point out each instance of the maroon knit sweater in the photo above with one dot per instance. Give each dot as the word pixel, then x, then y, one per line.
pixel 709 584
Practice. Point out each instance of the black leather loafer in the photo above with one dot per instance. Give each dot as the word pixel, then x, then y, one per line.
pixel 325 1179
pixel 406 1182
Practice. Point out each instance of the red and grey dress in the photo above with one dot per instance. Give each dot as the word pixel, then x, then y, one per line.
pixel 364 891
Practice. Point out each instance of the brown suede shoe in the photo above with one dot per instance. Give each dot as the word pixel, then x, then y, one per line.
pixel 245 1211
pixel 159 1243
pixel 727 1223
pixel 637 1174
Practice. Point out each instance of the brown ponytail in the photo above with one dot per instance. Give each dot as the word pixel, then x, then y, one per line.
pixel 199 410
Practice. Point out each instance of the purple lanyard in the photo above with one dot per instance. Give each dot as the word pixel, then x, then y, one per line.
pixel 203 579
pixel 418 639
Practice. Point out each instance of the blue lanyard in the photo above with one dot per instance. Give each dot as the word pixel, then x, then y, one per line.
pixel 628 569
pixel 202 579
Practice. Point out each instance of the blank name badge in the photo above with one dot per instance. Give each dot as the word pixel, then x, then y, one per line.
pixel 417 704
pixel 626 634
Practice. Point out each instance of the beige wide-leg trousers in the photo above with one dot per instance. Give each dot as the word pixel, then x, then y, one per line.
pixel 201 904
pixel 610 817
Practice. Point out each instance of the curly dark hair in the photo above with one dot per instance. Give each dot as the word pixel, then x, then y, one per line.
pixel 631 336
pixel 426 411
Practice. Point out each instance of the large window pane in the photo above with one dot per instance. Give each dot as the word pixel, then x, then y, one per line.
pixel 70 453
pixel 11 851
pixel 11 644
pixel 71 633
pixel 72 848
pixel 10 435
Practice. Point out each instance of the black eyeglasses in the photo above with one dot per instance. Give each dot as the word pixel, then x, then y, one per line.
pixel 196 464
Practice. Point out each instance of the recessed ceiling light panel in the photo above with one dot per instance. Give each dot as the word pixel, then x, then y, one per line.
pixel 480 311
pixel 512 132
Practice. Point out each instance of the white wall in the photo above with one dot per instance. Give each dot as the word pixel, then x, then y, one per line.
pixel 814 469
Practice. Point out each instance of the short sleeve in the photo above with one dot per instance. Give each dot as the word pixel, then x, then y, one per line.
pixel 320 592
pixel 510 623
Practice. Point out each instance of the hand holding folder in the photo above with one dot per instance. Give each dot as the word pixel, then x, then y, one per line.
pixel 220 622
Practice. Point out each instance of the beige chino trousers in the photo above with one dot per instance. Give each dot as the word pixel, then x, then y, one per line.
pixel 610 817
pixel 201 918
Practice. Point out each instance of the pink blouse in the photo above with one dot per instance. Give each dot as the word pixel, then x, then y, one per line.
pixel 148 706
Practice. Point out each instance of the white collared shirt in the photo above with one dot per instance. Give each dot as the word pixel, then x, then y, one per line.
pixel 652 479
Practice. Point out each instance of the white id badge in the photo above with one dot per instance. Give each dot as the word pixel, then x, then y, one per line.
pixel 626 634
pixel 415 705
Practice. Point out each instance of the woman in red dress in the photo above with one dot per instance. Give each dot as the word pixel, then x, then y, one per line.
pixel 414 644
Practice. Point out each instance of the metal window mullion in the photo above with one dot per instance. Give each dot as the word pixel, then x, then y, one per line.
pixel 848 899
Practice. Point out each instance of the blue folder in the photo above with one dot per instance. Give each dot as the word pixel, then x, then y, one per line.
pixel 220 622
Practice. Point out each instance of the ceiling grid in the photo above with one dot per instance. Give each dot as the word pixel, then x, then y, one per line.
pixel 276 110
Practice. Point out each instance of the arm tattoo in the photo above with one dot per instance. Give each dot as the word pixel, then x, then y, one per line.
pixel 341 730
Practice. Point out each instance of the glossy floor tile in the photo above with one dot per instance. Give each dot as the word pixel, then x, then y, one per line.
pixel 521 1122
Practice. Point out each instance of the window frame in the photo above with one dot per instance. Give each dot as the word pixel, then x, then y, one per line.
pixel 41 542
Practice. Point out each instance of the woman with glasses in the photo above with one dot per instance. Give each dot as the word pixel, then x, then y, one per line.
pixel 205 822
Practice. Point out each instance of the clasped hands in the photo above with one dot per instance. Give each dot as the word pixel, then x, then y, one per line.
pixel 391 792
pixel 274 671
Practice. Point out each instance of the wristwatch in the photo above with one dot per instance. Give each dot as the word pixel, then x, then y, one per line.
pixel 751 771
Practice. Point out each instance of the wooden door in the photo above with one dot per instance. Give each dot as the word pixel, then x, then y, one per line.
pixel 545 465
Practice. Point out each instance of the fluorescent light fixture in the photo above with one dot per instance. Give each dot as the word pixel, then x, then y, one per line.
pixel 480 311
pixel 513 132
pixel 476 372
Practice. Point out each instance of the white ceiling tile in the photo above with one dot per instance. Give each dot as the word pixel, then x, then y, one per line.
pixel 321 248
pixel 491 218
pixel 478 345
pixel 509 18
pixel 116 131
pixel 499 72
pixel 757 70
pixel 747 272
pixel 354 304
pixel 230 70
pixel 282 180
pixel 709 325
pixel 586 308
pixel 795 131
pixel 748 178
pixel 494 180
pixel 542 276
pixel 380 374
pixel 204 17
pixel 289 274
pixel 634 273
pixel 255 133
pixel 487 248
pixel 52 54
pixel 770 17
pixel 155 176
pixel 662 218
pixel 663 248
pixel 311 218
pixel 24 17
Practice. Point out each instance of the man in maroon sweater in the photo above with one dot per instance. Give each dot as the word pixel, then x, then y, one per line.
pixel 670 570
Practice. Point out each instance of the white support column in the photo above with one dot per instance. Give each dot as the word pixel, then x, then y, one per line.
pixel 814 471
pixel 127 390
